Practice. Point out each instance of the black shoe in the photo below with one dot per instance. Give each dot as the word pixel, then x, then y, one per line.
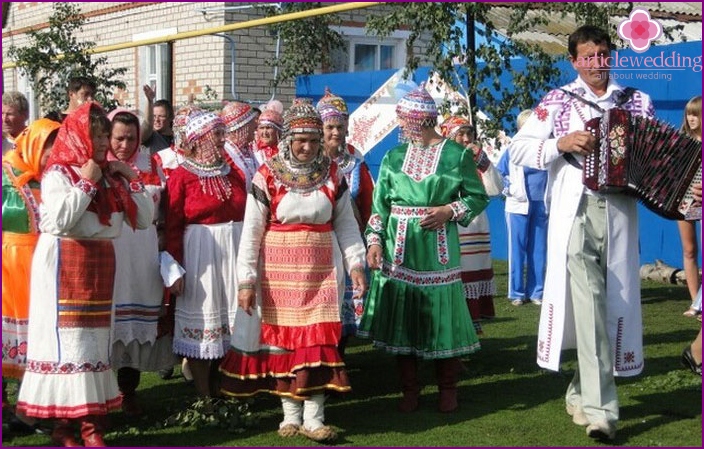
pixel 689 362
pixel 19 427
pixel 166 373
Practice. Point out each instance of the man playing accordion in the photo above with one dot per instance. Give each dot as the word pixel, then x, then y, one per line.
pixel 592 262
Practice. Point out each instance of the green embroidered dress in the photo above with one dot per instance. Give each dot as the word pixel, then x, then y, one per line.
pixel 416 303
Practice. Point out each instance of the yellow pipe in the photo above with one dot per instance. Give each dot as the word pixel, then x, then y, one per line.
pixel 235 26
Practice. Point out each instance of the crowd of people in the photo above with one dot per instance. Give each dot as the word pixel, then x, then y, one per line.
pixel 250 244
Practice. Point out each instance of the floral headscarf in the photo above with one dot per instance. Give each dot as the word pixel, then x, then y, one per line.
pixel 451 126
pixel 27 155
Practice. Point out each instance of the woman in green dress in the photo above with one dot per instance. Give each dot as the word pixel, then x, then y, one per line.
pixel 416 307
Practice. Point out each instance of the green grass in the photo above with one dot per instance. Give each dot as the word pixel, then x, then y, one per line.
pixel 505 398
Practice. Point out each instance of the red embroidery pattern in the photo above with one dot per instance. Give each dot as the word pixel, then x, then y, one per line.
pixel 459 210
pixel 400 244
pixel 409 212
pixel 206 335
pixel 373 239
pixel 420 163
pixel 625 360
pixel 35 366
pixel 541 113
pixel 87 187
pixel 421 278
pixel 375 223
pixel 361 129
pixel 443 255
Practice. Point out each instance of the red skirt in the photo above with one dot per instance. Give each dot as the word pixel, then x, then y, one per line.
pixel 296 374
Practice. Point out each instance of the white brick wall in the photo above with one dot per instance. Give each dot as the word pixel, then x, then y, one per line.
pixel 197 62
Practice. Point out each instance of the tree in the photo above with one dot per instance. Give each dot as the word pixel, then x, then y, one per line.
pixel 484 81
pixel 308 43
pixel 51 57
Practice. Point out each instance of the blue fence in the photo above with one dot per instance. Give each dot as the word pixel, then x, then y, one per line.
pixel 670 90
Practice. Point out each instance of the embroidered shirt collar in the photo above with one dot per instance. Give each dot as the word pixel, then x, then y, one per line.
pixel 584 91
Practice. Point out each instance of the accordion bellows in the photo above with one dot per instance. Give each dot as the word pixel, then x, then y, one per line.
pixel 645 158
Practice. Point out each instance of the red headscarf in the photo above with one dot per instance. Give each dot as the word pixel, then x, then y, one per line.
pixel 74 147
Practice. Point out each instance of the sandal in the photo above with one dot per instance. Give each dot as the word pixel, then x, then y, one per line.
pixel 691 312
pixel 289 430
pixel 321 434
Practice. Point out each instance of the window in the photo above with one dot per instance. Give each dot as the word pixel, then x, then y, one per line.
pixel 25 86
pixel 364 53
pixel 155 64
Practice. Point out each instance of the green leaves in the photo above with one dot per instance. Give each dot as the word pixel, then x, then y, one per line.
pixel 228 414
pixel 53 56
pixel 308 44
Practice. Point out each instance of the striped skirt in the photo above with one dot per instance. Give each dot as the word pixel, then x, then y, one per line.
pixel 68 373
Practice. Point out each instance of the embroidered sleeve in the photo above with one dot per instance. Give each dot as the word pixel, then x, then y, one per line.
pixel 483 161
pixel 472 194
pixel 374 239
pixel 136 186
pixel 347 232
pixel 257 215
pixel 87 186
pixel 381 206
pixel 535 144
pixel 459 210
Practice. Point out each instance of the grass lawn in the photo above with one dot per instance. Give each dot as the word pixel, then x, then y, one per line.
pixel 505 398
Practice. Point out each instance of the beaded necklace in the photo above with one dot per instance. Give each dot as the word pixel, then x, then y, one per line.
pixel 212 177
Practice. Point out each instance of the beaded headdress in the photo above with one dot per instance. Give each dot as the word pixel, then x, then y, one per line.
pixel 298 176
pixel 207 157
pixel 302 117
pixel 200 137
pixel 331 107
pixel 239 119
pixel 271 116
pixel 179 123
pixel 417 110
pixel 451 126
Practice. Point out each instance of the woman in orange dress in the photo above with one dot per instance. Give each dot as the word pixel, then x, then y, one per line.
pixel 21 171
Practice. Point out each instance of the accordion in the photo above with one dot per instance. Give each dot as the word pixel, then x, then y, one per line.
pixel 645 158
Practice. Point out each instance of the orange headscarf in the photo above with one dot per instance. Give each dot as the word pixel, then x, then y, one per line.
pixel 29 147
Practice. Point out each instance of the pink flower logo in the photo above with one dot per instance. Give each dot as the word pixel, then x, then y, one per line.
pixel 639 30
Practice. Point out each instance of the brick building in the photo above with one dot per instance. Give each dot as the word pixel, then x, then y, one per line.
pixel 187 67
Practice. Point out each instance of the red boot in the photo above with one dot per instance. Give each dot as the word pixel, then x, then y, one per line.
pixel 408 371
pixel 447 372
pixel 92 431
pixel 63 434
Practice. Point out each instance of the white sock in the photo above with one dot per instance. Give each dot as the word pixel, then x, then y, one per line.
pixel 314 412
pixel 292 412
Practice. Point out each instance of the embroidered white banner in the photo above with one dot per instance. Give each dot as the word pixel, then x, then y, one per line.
pixel 376 118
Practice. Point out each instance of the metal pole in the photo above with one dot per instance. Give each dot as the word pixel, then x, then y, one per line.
pixel 232 62
pixel 222 29
pixel 471 64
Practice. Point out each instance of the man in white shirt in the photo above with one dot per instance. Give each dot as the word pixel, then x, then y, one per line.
pixel 592 262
